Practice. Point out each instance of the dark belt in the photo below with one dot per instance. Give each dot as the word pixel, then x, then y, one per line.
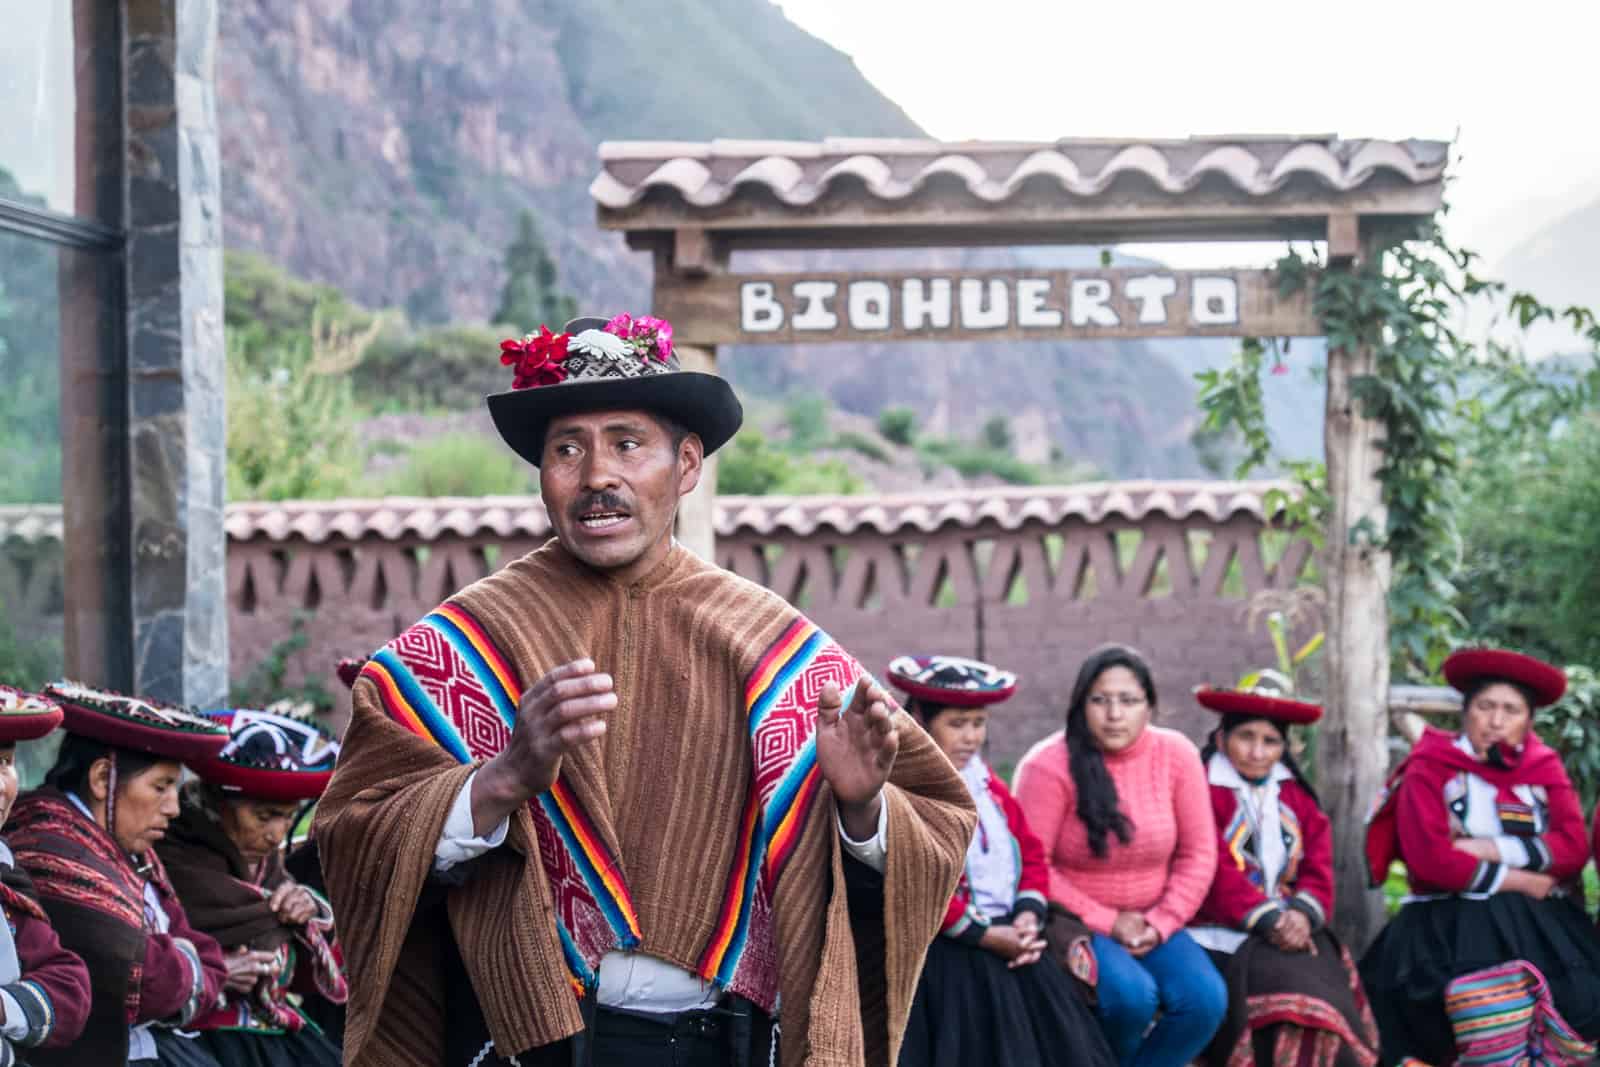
pixel 711 1023
pixel 735 1026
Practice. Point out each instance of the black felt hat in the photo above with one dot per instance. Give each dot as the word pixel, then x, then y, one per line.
pixel 596 365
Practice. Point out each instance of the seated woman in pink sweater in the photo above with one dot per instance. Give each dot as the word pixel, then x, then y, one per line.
pixel 1124 812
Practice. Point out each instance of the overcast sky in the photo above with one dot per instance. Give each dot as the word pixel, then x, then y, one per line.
pixel 1517 86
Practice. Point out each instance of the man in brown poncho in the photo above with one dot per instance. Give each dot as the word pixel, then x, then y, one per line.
pixel 615 805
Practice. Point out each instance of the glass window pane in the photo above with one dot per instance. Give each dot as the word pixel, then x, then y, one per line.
pixel 38 99
pixel 31 567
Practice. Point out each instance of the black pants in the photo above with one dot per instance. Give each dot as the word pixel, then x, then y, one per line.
pixel 695 1039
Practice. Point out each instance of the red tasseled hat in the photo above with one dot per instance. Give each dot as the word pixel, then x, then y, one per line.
pixel 1466 666
pixel 1258 705
pixel 25 716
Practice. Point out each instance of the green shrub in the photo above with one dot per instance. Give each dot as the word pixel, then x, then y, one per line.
pixel 463 464
pixel 997 433
pixel 1572 728
pixel 806 416
pixel 971 461
pixel 898 424
pixel 860 442
pixel 290 434
pixel 751 466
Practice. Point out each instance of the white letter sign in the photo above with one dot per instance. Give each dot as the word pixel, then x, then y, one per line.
pixel 1090 307
pixel 919 311
pixel 1214 301
pixel 869 305
pixel 811 305
pixel 759 312
pixel 1151 291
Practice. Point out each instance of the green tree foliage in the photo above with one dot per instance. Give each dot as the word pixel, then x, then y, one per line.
pixel 1530 526
pixel 1432 392
pixel 30 351
pixel 532 295
pixel 752 466
pixel 464 464
pixel 997 433
pixel 898 424
pixel 1572 728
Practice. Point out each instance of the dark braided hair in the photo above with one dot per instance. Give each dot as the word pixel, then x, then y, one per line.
pixel 78 753
pixel 1097 793
pixel 1233 720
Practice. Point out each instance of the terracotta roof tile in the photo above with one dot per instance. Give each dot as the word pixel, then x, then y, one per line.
pixel 799 173
pixel 425 519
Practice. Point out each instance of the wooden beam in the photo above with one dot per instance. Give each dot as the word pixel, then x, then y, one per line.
pixel 1344 237
pixel 1352 755
pixel 988 305
pixel 697 529
pixel 693 253
pixel 858 221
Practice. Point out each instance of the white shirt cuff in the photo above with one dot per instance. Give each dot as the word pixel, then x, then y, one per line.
pixel 1513 850
pixel 16 1027
pixel 457 842
pixel 873 850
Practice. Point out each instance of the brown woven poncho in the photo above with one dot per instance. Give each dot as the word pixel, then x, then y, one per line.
pixel 698 830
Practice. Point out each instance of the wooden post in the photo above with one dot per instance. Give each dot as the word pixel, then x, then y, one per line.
pixel 1351 749
pixel 697 511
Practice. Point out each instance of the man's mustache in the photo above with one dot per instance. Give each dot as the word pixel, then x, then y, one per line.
pixel 603 501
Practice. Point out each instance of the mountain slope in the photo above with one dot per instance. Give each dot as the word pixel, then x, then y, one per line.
pixel 387 146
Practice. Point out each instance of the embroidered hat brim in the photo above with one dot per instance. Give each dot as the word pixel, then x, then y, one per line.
pixel 261 783
pixel 25 716
pixel 951 681
pixel 1258 706
pixel 140 725
pixel 1547 683
pixel 288 782
pixel 701 403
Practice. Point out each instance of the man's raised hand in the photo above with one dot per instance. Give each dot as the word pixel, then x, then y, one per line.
pixel 564 709
pixel 856 747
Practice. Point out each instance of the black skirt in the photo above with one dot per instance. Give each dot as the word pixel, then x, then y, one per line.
pixel 245 1048
pixel 970 1008
pixel 1432 942
pixel 175 1050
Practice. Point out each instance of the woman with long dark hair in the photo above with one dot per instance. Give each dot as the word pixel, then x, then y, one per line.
pixel 1123 810
pixel 1492 836
pixel 1293 993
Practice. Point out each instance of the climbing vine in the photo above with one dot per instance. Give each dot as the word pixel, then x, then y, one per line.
pixel 1430 385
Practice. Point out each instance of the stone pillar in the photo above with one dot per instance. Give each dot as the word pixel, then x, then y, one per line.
pixel 1351 748
pixel 176 355
pixel 697 511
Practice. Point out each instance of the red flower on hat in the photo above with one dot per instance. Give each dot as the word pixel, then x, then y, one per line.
pixel 537 358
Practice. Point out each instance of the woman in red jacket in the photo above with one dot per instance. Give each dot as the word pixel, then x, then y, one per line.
pixel 86 839
pixel 1493 840
pixel 988 993
pixel 1293 993
pixel 44 989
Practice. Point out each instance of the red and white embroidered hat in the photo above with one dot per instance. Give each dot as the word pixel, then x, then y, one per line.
pixel 25 716
pixel 1258 705
pixel 271 756
pixel 951 681
pixel 136 723
pixel 1465 666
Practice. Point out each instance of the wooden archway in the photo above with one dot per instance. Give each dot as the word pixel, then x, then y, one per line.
pixel 692 205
